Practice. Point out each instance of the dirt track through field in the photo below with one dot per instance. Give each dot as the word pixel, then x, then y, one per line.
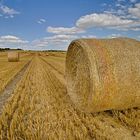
pixel 6 93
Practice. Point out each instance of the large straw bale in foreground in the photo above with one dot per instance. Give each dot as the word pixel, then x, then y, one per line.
pixel 13 56
pixel 104 74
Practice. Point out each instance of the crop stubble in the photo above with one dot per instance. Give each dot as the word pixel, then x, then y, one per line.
pixel 41 109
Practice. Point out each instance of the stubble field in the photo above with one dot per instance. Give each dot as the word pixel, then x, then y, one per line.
pixel 38 107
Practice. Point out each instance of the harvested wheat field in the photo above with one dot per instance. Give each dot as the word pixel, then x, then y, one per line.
pixel 40 108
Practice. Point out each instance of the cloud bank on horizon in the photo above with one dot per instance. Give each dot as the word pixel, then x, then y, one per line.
pixel 52 26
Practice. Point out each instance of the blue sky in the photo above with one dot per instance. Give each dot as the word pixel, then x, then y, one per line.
pixel 53 24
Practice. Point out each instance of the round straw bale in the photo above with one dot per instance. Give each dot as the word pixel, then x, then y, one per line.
pixel 13 56
pixel 103 74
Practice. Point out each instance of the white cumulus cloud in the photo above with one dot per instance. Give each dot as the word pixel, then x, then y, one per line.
pixel 54 40
pixel 63 30
pixel 41 21
pixel 10 41
pixel 101 20
pixel 135 11
pixel 88 36
pixel 10 12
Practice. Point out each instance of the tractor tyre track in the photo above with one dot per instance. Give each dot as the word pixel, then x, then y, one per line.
pixel 7 92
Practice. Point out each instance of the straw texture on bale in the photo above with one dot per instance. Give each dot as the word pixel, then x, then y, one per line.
pixel 13 56
pixel 103 74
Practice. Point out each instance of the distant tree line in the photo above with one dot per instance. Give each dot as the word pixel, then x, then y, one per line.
pixel 54 51
pixel 8 49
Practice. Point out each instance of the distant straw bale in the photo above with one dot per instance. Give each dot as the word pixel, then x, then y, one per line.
pixel 13 56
